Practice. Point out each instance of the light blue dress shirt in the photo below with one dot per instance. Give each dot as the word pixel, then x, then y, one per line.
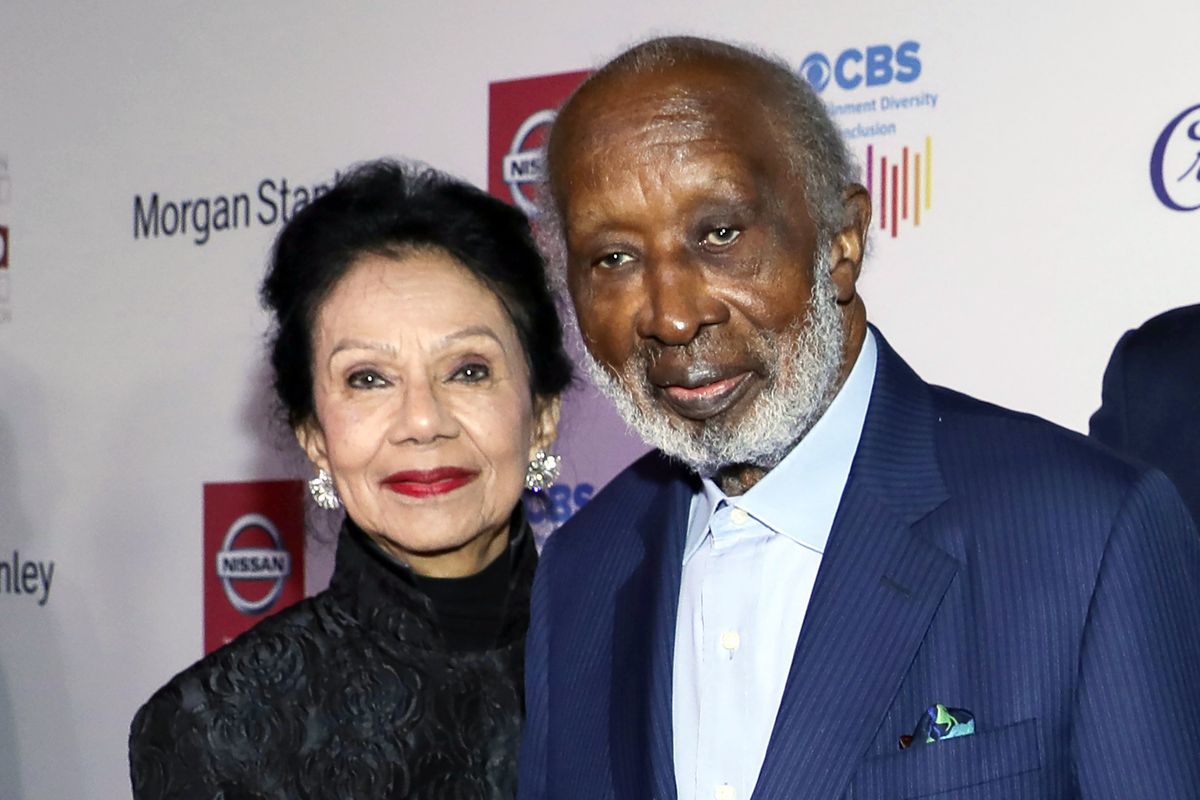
pixel 749 565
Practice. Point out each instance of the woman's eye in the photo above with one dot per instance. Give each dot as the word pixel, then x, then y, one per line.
pixel 721 237
pixel 472 373
pixel 611 260
pixel 366 379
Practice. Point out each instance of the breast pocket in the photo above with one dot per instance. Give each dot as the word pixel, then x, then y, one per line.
pixel 952 764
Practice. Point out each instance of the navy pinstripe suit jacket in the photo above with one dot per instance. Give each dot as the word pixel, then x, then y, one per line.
pixel 979 558
pixel 1151 408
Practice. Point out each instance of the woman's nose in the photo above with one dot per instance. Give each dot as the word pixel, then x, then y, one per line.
pixel 422 415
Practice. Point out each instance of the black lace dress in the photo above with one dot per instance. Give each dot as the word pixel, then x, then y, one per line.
pixel 382 686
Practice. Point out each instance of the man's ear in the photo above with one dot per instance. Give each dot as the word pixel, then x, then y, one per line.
pixel 849 244
pixel 546 412
pixel 312 441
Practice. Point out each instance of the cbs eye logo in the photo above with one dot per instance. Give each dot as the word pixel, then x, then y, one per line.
pixel 1175 162
pixel 815 69
pixel 877 65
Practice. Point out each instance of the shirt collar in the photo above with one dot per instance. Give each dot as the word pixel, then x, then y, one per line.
pixel 800 497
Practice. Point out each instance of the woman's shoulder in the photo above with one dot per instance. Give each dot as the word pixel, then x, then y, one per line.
pixel 231 702
pixel 259 658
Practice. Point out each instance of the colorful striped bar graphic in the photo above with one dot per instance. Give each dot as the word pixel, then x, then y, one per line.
pixel 911 179
pixel 917 189
pixel 928 169
pixel 883 193
pixel 895 188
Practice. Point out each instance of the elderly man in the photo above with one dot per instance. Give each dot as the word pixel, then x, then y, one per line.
pixel 831 579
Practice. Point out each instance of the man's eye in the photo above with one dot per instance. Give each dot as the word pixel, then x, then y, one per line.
pixel 721 237
pixel 611 260
pixel 366 379
pixel 472 373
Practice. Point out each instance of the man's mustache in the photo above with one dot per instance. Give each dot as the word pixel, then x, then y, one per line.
pixel 703 360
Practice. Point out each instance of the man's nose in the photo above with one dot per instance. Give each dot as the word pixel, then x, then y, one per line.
pixel 677 303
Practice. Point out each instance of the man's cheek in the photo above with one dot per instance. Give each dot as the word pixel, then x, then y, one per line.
pixel 606 313
pixel 610 356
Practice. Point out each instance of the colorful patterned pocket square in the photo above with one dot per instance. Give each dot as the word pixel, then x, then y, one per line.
pixel 937 723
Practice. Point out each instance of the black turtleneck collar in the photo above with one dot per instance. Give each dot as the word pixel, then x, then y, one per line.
pixel 477 613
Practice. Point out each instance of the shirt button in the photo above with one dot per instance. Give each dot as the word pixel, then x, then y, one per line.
pixel 738 516
pixel 731 641
pixel 725 792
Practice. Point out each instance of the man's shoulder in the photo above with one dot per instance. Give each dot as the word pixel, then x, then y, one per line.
pixel 1018 486
pixel 1184 318
pixel 982 441
pixel 1166 337
pixel 972 431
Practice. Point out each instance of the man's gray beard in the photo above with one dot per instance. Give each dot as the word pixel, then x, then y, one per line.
pixel 804 362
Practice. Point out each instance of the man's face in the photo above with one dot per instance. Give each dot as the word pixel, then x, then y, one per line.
pixel 690 255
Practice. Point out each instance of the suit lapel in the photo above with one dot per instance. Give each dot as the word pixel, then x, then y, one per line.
pixel 644 644
pixel 662 658
pixel 880 582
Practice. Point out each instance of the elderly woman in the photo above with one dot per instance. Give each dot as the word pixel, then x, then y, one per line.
pixel 419 358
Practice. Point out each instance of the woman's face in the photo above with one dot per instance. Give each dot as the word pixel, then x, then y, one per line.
pixel 424 415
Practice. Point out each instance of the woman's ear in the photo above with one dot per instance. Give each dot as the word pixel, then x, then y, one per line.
pixel 546 411
pixel 312 442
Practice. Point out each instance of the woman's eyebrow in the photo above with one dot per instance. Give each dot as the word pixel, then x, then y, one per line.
pixel 362 344
pixel 467 333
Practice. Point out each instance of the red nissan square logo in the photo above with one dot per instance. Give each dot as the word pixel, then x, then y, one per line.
pixel 519 117
pixel 253 554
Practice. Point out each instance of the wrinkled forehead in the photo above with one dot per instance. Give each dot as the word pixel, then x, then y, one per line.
pixel 666 115
pixel 639 118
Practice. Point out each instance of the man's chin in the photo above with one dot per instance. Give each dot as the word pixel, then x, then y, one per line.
pixel 683 438
pixel 704 445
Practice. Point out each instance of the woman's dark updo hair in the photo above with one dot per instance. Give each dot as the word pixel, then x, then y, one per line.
pixel 391 209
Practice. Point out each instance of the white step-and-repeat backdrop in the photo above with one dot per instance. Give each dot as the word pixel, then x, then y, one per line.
pixel 1034 168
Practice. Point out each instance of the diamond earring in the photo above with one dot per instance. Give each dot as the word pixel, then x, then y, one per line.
pixel 542 470
pixel 322 491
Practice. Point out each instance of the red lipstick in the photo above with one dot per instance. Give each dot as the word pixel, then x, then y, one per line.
pixel 429 482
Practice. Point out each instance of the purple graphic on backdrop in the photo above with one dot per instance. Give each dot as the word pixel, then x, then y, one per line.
pixel 1175 162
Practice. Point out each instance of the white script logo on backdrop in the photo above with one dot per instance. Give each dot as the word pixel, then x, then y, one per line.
pixel 1175 162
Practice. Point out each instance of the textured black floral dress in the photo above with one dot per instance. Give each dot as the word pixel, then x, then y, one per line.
pixel 385 685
